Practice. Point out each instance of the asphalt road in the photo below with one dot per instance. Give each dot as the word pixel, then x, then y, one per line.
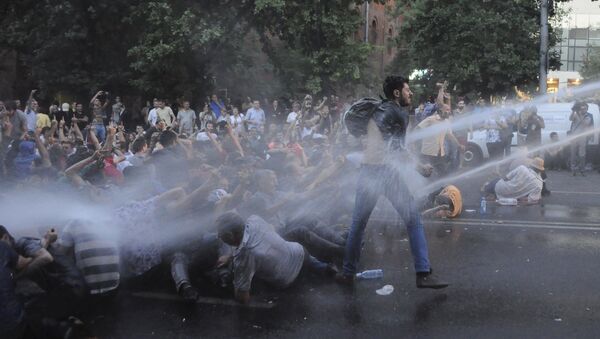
pixel 524 272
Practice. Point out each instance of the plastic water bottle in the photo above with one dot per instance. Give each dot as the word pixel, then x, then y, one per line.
pixel 370 274
pixel 483 206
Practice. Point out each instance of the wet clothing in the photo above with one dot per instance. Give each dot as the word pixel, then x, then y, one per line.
pixel 96 257
pixel 535 123
pixel 523 182
pixel 264 254
pixel 11 310
pixel 377 178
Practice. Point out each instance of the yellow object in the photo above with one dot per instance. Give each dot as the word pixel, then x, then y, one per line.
pixel 453 193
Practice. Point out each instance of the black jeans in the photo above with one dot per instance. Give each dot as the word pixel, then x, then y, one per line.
pixel 200 259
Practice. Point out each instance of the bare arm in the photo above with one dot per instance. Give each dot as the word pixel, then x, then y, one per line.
pixel 30 98
pixel 94 98
pixel 92 137
pixel 42 148
pixel 184 202
pixel 234 137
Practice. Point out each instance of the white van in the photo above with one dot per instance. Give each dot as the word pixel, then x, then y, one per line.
pixel 556 117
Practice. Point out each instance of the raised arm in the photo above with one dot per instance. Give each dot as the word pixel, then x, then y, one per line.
pixel 95 97
pixel 30 99
pixel 42 148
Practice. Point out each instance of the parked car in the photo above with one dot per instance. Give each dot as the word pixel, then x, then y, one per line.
pixel 556 119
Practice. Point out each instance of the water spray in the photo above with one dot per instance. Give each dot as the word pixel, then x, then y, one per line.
pixel 442 181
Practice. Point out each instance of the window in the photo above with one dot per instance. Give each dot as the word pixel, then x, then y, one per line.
pixel 373 32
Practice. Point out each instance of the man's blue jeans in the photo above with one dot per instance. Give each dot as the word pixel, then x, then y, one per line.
pixel 373 181
pixel 100 132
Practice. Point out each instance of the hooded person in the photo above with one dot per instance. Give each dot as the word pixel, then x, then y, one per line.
pixel 444 202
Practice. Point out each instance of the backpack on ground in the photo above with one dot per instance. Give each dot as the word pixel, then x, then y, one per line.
pixel 357 117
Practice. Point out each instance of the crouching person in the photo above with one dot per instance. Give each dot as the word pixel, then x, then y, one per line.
pixel 208 257
pixel 260 252
pixel 445 202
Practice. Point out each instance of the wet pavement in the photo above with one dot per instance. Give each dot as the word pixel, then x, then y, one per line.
pixel 525 271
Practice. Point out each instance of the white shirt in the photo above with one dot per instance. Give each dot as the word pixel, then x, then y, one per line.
pixel 265 255
pixel 291 118
pixel 255 117
pixel 522 182
pixel 152 117
pixel 236 123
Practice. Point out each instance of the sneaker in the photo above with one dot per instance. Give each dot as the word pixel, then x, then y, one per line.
pixel 344 279
pixel 430 280
pixel 188 292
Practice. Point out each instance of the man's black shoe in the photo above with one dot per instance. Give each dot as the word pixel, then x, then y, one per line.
pixel 429 280
pixel 331 271
pixel 344 279
pixel 188 292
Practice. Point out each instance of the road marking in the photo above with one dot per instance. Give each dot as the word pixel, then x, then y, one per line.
pixel 203 300
pixel 564 226
pixel 567 192
pixel 535 222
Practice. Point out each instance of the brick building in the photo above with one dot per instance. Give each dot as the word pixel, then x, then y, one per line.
pixel 379 29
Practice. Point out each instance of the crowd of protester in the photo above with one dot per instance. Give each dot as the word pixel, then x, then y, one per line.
pixel 190 191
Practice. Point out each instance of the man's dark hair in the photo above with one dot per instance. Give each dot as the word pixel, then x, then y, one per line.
pixel 553 134
pixel 10 105
pixel 138 145
pixel 392 83
pixel 230 222
pixel 167 138
pixel 4 231
pixel 444 200
pixel 578 105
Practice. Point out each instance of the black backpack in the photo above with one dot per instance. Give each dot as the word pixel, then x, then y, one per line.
pixel 357 117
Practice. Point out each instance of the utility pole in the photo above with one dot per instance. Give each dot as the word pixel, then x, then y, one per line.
pixel 367 22
pixel 543 45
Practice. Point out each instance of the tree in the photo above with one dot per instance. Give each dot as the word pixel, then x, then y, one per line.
pixel 180 47
pixel 481 47
pixel 320 51
pixel 591 65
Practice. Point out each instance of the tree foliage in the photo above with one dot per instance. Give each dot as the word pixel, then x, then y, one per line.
pixel 174 47
pixel 481 47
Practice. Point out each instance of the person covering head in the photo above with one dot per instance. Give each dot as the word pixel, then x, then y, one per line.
pixel 450 194
pixel 537 163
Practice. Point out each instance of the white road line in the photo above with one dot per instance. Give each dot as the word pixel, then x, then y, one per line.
pixel 564 226
pixel 567 192
pixel 536 222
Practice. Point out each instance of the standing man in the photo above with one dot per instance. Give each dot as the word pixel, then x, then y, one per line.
pixel 165 113
pixel 255 117
pixel 433 147
pixel 99 114
pixel 581 121
pixel 31 112
pixel 186 119
pixel 386 132
pixel 535 124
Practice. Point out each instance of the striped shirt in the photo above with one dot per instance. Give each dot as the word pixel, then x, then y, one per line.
pixel 96 257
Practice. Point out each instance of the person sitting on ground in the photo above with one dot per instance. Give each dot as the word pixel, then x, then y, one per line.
pixel 259 252
pixel 523 183
pixel 445 202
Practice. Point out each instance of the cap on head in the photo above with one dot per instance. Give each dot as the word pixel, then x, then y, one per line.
pixel 537 163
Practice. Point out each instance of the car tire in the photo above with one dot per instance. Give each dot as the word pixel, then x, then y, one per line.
pixel 472 155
